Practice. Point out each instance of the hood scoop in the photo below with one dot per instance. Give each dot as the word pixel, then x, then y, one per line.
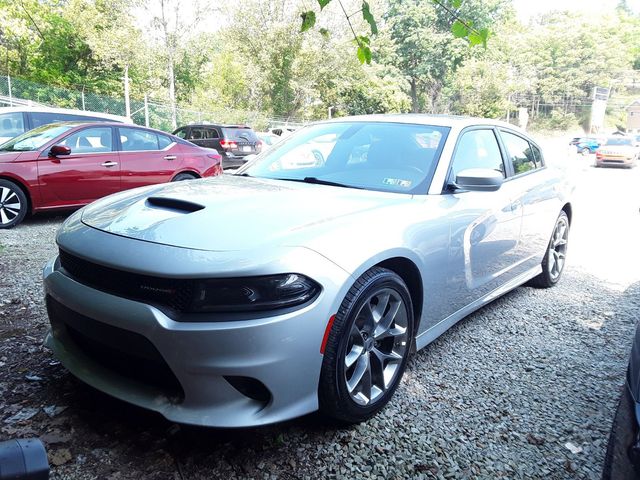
pixel 174 204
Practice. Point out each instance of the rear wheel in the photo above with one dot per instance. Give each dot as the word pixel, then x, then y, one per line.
pixel 585 151
pixel 367 349
pixel 555 256
pixel 13 204
pixel 183 176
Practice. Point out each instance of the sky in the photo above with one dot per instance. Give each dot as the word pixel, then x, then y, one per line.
pixel 528 8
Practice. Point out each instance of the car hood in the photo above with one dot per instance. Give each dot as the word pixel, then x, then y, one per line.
pixel 229 213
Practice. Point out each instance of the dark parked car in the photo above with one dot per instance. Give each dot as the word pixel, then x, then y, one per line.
pixel 233 142
pixel 622 461
pixel 67 165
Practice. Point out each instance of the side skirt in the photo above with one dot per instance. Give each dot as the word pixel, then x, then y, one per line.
pixel 428 336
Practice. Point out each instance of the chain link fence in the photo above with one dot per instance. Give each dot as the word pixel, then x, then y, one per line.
pixel 156 114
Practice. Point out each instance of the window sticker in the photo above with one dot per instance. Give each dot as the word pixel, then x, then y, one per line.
pixel 397 182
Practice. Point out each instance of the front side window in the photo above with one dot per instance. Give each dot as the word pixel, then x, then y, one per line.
pixel 134 140
pixel 90 140
pixel 392 157
pixel 520 153
pixel 34 139
pixel 477 149
pixel 11 125
pixel 182 133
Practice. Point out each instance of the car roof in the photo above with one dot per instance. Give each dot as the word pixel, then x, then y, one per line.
pixel 458 121
pixel 68 111
pixel 221 125
pixel 75 124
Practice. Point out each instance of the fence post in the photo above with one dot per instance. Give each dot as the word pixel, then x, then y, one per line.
pixel 82 96
pixel 10 94
pixel 146 111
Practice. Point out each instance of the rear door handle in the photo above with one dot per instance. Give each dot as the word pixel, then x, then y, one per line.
pixel 170 157
pixel 109 164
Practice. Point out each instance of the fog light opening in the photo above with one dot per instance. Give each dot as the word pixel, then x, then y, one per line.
pixel 250 387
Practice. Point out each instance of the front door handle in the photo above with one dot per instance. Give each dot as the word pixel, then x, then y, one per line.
pixel 109 164
pixel 170 157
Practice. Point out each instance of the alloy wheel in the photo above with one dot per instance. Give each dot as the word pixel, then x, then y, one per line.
pixel 558 248
pixel 376 346
pixel 10 205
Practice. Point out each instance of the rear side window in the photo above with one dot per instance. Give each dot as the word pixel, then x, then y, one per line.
pixel 477 149
pixel 11 125
pixel 521 153
pixel 164 141
pixel 90 140
pixel 239 134
pixel 133 140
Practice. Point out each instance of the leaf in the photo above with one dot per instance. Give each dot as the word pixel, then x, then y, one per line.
pixel 325 33
pixel 364 54
pixel 323 3
pixel 459 29
pixel 362 40
pixel 368 17
pixel 456 3
pixel 479 37
pixel 308 20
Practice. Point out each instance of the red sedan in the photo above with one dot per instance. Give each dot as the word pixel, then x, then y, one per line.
pixel 67 165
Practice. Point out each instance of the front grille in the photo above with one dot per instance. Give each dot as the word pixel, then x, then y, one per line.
pixel 126 353
pixel 177 294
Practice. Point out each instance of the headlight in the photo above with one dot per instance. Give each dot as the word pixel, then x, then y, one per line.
pixel 268 292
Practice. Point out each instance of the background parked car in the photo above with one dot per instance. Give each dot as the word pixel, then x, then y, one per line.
pixel 233 142
pixel 587 145
pixel 67 165
pixel 268 139
pixel 618 151
pixel 15 121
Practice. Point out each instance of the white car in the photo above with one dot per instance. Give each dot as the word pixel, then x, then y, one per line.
pixel 15 121
pixel 291 287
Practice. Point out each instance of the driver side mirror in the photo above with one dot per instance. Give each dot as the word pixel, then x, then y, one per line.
pixel 479 180
pixel 58 150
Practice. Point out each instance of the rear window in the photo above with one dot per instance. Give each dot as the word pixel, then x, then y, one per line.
pixel 241 134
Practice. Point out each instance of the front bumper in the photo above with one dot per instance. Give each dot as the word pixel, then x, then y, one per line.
pixel 280 352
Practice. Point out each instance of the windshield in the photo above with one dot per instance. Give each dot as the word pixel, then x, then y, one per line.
pixel 619 141
pixel 391 157
pixel 34 139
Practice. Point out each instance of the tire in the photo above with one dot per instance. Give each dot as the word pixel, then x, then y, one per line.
pixel 361 351
pixel 183 176
pixel 585 152
pixel 13 204
pixel 555 256
pixel 617 462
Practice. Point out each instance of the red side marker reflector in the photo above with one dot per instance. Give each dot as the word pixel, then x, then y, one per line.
pixel 327 331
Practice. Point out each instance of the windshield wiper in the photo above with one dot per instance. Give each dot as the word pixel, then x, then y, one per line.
pixel 319 181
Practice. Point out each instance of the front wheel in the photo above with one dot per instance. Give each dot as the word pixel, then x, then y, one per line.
pixel 585 152
pixel 367 349
pixel 555 256
pixel 13 204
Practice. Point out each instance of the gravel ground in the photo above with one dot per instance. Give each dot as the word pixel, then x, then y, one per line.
pixel 524 388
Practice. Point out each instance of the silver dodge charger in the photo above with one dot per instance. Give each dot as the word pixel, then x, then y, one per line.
pixel 304 281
